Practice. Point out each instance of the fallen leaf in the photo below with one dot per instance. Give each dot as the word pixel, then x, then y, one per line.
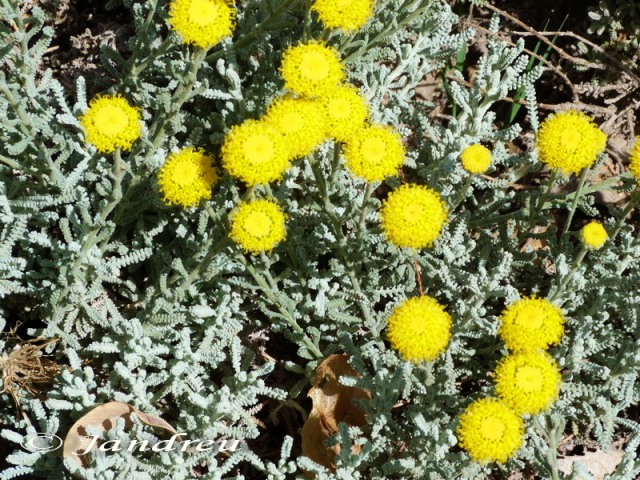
pixel 104 417
pixel 332 404
pixel 599 463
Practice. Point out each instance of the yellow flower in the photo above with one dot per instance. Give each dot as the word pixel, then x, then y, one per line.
pixel 490 431
pixel 413 215
pixel 476 158
pixel 346 111
pixel 594 235
pixel 374 153
pixel 187 177
pixel 255 153
pixel 202 22
pixel 569 141
pixel 311 69
pixel 531 324
pixel 528 382
pixel 258 226
pixel 301 121
pixel 111 123
pixel 348 15
pixel 419 328
pixel 634 159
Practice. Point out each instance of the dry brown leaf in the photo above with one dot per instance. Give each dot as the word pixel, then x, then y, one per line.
pixel 332 404
pixel 599 463
pixel 104 417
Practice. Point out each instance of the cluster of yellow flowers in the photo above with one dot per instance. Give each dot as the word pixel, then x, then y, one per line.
pixel 527 381
pixel 318 106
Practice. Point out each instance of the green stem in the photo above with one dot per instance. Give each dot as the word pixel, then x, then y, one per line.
pixel 158 130
pixel 134 56
pixel 574 268
pixel 574 204
pixel 396 27
pixel 91 240
pixel 258 29
pixel 462 194
pixel 633 202
pixel 542 199
pixel 342 242
pixel 11 163
pixel 273 297
pixel 363 208
pixel 550 432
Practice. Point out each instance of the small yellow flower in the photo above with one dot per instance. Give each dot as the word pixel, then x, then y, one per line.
pixel 348 15
pixel 490 431
pixel 111 123
pixel 311 69
pixel 346 111
pixel 203 23
pixel 374 153
pixel 634 159
pixel 476 158
pixel 301 121
pixel 419 328
pixel 255 153
pixel 413 216
pixel 594 235
pixel 528 382
pixel 530 324
pixel 258 226
pixel 569 141
pixel 187 177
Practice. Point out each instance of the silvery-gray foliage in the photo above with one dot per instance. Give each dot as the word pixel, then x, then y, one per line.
pixel 154 307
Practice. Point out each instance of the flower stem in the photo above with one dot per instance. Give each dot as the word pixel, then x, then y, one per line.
pixel 342 242
pixel 576 199
pixel 574 268
pixel 272 295
pixel 542 199
pixel 258 29
pixel 633 202
pixel 462 193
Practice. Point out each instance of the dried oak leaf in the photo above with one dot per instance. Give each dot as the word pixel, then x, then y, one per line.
pixel 332 404
pixel 104 417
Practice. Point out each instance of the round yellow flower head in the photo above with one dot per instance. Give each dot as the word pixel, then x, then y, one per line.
pixel 419 329
pixel 594 235
pixel 413 216
pixel 255 153
pixel 301 121
pixel 311 69
pixel 530 324
pixel 569 141
pixel 111 123
pixel 258 226
pixel 634 159
pixel 346 111
pixel 187 177
pixel 348 15
pixel 374 153
pixel 528 382
pixel 490 431
pixel 476 158
pixel 203 23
